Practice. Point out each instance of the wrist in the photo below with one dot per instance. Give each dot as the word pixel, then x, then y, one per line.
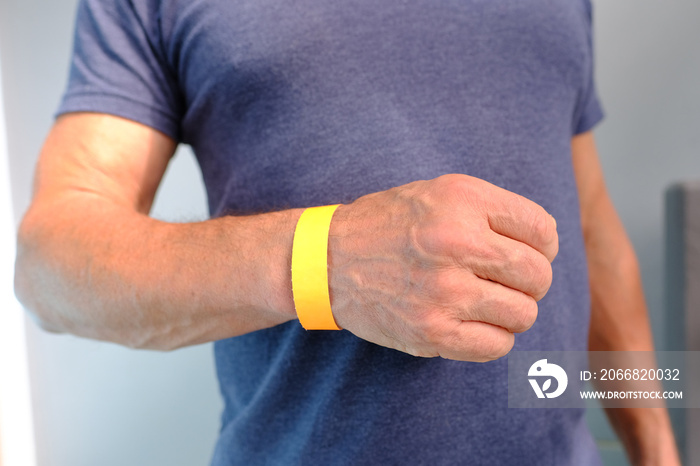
pixel 649 438
pixel 278 294
pixel 266 246
pixel 310 284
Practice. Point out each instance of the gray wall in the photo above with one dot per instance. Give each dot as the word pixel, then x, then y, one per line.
pixel 96 403
pixel 648 70
pixel 648 58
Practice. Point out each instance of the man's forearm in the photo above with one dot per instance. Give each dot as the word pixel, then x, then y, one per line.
pixel 404 271
pixel 619 319
pixel 619 322
pixel 102 271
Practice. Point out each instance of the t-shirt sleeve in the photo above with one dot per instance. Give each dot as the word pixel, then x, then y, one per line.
pixel 589 111
pixel 118 66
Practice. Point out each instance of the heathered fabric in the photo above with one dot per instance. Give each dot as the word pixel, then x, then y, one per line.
pixel 291 104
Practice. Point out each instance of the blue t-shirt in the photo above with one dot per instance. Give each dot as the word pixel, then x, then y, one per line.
pixel 312 102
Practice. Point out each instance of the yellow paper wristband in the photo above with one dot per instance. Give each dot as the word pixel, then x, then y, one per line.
pixel 310 269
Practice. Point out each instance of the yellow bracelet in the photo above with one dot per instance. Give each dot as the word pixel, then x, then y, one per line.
pixel 310 269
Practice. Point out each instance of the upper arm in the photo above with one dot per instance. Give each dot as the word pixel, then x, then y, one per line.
pixel 92 156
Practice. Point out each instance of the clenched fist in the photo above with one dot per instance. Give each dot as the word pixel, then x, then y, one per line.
pixel 449 267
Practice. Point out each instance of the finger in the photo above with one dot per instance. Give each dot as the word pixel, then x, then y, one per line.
pixel 510 263
pixel 477 341
pixel 495 304
pixel 521 219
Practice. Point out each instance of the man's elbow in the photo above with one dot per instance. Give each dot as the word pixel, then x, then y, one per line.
pixel 27 286
pixel 44 324
pixel 55 289
pixel 26 295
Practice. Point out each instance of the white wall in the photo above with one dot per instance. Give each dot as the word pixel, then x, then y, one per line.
pixel 16 430
pixel 99 404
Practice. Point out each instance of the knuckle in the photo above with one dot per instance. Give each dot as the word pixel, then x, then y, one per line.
pixel 463 189
pixel 501 345
pixel 526 314
pixel 432 239
pixel 473 245
pixel 511 200
pixel 477 295
pixel 452 181
pixel 426 331
pixel 433 336
pixel 520 207
pixel 515 258
pixel 443 288
pixel 441 238
pixel 492 253
pixel 555 244
pixel 536 269
pixel 495 345
pixel 519 257
pixel 541 225
pixel 541 278
pixel 491 345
